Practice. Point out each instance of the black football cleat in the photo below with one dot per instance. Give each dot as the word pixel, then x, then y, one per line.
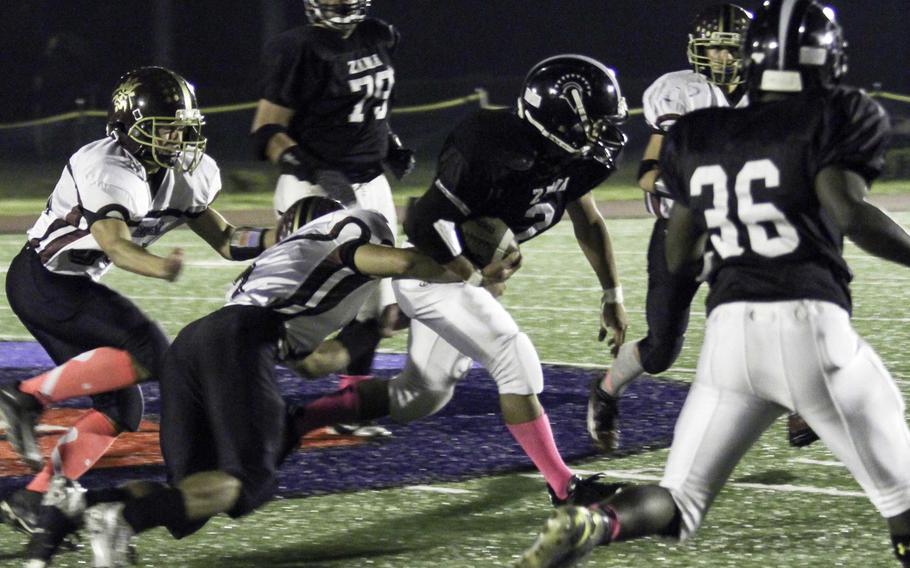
pixel 571 533
pixel 21 412
pixel 603 416
pixel 20 510
pixel 59 517
pixel 799 434
pixel 586 491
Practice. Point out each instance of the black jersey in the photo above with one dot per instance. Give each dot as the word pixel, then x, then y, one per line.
pixel 339 89
pixel 496 165
pixel 748 176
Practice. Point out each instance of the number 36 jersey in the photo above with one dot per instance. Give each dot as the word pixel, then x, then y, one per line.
pixel 748 177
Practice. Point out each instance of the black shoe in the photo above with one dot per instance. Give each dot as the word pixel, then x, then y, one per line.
pixel 603 414
pixel 59 517
pixel 20 510
pixel 799 434
pixel 586 491
pixel 21 412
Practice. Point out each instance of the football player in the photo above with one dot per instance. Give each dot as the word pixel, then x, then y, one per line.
pixel 526 166
pixel 223 419
pixel 324 120
pixel 775 187
pixel 714 80
pixel 115 197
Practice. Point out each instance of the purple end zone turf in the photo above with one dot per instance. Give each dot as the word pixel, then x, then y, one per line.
pixel 466 439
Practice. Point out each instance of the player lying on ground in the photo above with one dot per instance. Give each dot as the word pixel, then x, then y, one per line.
pixel 778 336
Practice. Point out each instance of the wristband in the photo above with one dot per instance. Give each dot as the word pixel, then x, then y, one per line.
pixel 247 242
pixel 476 279
pixel 612 296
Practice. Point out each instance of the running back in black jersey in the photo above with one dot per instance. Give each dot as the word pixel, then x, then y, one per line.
pixel 340 89
pixel 748 177
pixel 496 165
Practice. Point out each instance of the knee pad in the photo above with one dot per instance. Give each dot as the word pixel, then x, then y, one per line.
pixel 515 366
pixel 658 353
pixel 124 407
pixel 411 398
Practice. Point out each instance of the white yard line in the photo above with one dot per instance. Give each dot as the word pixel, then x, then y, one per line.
pixel 782 488
pixel 435 489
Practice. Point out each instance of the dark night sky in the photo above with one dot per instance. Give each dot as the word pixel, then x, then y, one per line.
pixel 449 46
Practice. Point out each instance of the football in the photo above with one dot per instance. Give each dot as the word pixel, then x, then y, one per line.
pixel 486 240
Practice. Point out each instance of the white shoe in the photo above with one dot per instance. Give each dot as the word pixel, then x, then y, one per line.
pixel 361 430
pixel 110 536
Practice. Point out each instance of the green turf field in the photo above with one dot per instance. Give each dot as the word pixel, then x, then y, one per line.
pixel 783 508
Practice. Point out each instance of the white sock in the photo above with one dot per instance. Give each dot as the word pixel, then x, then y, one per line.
pixel 626 368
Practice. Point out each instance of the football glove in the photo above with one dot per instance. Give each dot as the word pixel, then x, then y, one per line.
pixel 399 160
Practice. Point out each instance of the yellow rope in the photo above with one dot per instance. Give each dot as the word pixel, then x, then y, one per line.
pixel 476 97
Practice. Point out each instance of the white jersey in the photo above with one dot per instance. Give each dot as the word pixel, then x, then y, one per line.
pixel 103 180
pixel 668 98
pixel 309 278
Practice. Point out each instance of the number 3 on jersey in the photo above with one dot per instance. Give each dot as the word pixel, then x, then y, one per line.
pixel 751 216
pixel 376 87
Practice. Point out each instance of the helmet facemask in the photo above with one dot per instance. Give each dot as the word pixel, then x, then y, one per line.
pixel 720 70
pixel 339 15
pixel 170 142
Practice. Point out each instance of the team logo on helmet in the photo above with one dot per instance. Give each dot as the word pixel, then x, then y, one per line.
pixel 125 95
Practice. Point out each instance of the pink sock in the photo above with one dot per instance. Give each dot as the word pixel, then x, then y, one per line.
pixel 536 439
pixel 83 444
pixel 100 370
pixel 338 407
pixel 351 380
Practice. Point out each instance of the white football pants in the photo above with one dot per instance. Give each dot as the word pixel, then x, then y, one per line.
pixel 762 359
pixel 375 194
pixel 451 325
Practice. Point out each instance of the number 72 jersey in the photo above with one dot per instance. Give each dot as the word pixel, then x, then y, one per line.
pixel 748 176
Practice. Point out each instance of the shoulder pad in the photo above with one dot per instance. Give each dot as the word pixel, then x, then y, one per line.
pixel 673 95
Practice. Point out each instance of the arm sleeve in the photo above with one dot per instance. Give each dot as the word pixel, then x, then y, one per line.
pixel 458 192
pixel 856 134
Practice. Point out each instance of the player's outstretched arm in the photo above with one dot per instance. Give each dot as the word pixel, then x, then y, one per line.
pixel 113 236
pixel 384 262
pixel 842 193
pixel 232 243
pixel 594 240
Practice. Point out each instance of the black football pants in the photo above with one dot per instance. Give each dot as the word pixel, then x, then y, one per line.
pixel 69 315
pixel 667 306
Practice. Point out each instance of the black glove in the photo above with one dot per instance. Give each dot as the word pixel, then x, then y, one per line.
pixel 336 185
pixel 398 159
pixel 292 161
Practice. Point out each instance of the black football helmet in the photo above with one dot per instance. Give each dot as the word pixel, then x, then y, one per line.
pixel 575 102
pixel 303 211
pixel 340 15
pixel 793 46
pixel 721 26
pixel 154 115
